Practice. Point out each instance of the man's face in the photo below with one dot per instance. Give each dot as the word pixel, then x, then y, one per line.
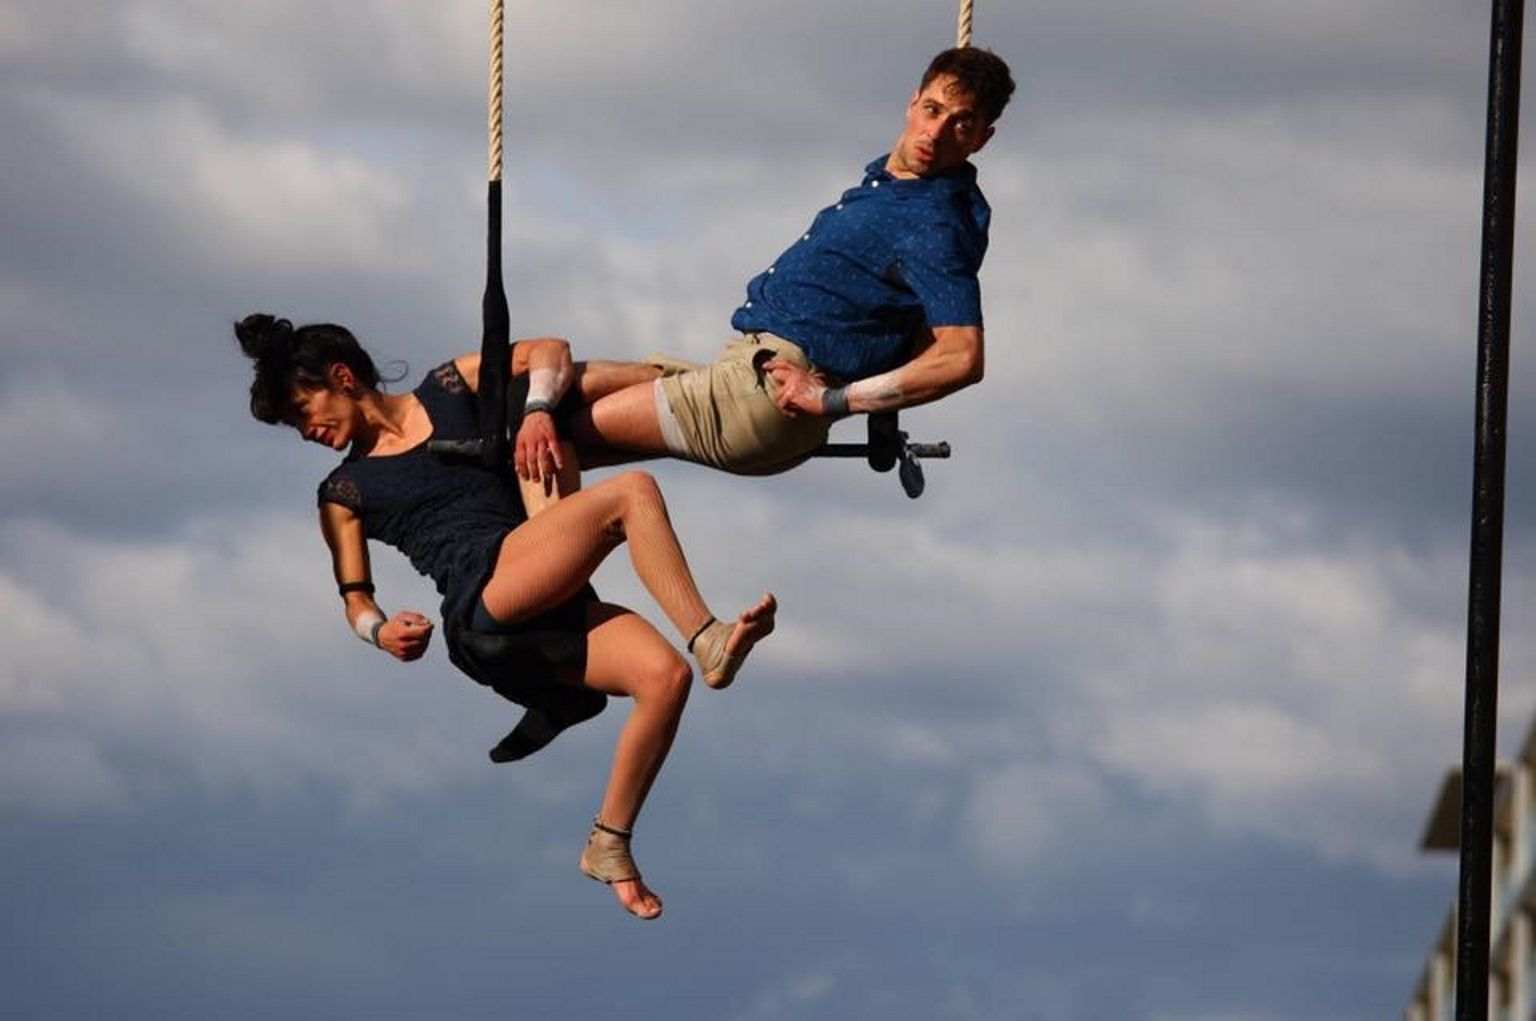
pixel 943 129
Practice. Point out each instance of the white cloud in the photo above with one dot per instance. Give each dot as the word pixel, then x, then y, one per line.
pixel 1027 814
pixel 42 643
pixel 791 995
pixel 223 664
pixel 242 201
pixel 57 775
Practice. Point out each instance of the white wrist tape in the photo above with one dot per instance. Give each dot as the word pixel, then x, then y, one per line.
pixel 543 385
pixel 877 390
pixel 367 626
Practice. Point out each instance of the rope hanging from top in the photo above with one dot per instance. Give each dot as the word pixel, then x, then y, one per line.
pixel 496 89
pixel 963 29
pixel 492 448
pixel 496 325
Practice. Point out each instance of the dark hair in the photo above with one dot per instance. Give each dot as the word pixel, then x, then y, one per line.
pixel 287 358
pixel 982 73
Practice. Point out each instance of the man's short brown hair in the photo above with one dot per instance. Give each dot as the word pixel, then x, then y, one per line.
pixel 982 73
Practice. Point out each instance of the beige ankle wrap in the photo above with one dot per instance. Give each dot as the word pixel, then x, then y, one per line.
pixel 708 647
pixel 606 857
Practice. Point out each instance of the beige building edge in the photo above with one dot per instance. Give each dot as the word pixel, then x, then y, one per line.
pixel 1512 966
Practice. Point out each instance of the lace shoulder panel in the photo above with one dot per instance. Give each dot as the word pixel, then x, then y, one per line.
pixel 450 379
pixel 339 487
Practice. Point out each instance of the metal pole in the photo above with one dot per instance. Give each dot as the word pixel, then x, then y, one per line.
pixel 1473 919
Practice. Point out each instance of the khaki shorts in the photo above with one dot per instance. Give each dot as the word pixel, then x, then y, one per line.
pixel 725 415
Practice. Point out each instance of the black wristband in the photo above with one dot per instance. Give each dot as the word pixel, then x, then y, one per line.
pixel 834 402
pixel 538 404
pixel 373 633
pixel 354 586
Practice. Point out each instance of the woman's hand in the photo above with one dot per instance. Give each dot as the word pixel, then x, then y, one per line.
pixel 537 452
pixel 405 635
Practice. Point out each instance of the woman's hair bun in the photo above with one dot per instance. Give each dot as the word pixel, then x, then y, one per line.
pixel 265 338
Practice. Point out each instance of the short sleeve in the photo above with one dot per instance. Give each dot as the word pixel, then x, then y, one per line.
pixel 339 487
pixel 939 263
pixel 449 379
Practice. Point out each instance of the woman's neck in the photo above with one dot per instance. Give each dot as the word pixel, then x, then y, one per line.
pixel 387 422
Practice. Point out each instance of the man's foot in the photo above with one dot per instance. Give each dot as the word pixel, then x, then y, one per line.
pixel 606 858
pixel 721 648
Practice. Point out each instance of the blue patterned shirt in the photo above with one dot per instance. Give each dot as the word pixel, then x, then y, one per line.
pixel 892 256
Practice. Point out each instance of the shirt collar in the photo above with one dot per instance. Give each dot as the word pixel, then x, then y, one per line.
pixel 963 176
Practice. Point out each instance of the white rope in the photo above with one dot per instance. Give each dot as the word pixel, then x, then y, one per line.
pixel 496 89
pixel 963 29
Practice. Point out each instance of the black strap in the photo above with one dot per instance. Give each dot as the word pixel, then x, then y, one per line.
pixel 702 628
pixel 495 343
pixel 597 824
pixel 354 586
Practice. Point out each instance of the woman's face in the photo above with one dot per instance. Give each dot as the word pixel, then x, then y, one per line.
pixel 324 416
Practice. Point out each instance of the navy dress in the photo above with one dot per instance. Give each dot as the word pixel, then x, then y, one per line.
pixel 449 518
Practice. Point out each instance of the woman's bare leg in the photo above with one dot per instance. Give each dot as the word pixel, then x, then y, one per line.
pixel 626 656
pixel 548 558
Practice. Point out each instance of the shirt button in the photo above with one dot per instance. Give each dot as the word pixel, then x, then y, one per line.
pixel 771 269
pixel 839 205
pixel 805 237
pixel 749 304
pixel 875 184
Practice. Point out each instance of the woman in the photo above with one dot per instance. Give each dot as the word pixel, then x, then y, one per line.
pixel 519 613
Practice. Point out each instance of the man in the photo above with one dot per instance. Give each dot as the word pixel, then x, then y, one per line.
pixel 876 307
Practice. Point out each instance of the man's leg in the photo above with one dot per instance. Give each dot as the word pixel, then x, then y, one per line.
pixel 619 427
pixel 722 414
pixel 619 421
pixel 595 380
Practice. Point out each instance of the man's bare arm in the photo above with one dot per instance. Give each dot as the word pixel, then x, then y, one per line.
pixel 549 354
pixel 536 453
pixel 951 359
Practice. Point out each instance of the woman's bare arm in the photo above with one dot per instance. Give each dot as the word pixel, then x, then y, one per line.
pixel 404 635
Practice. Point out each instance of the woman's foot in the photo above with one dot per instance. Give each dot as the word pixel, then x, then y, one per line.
pixel 721 648
pixel 606 858
pixel 637 898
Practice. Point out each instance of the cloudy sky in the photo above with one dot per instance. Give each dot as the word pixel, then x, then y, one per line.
pixel 1137 714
